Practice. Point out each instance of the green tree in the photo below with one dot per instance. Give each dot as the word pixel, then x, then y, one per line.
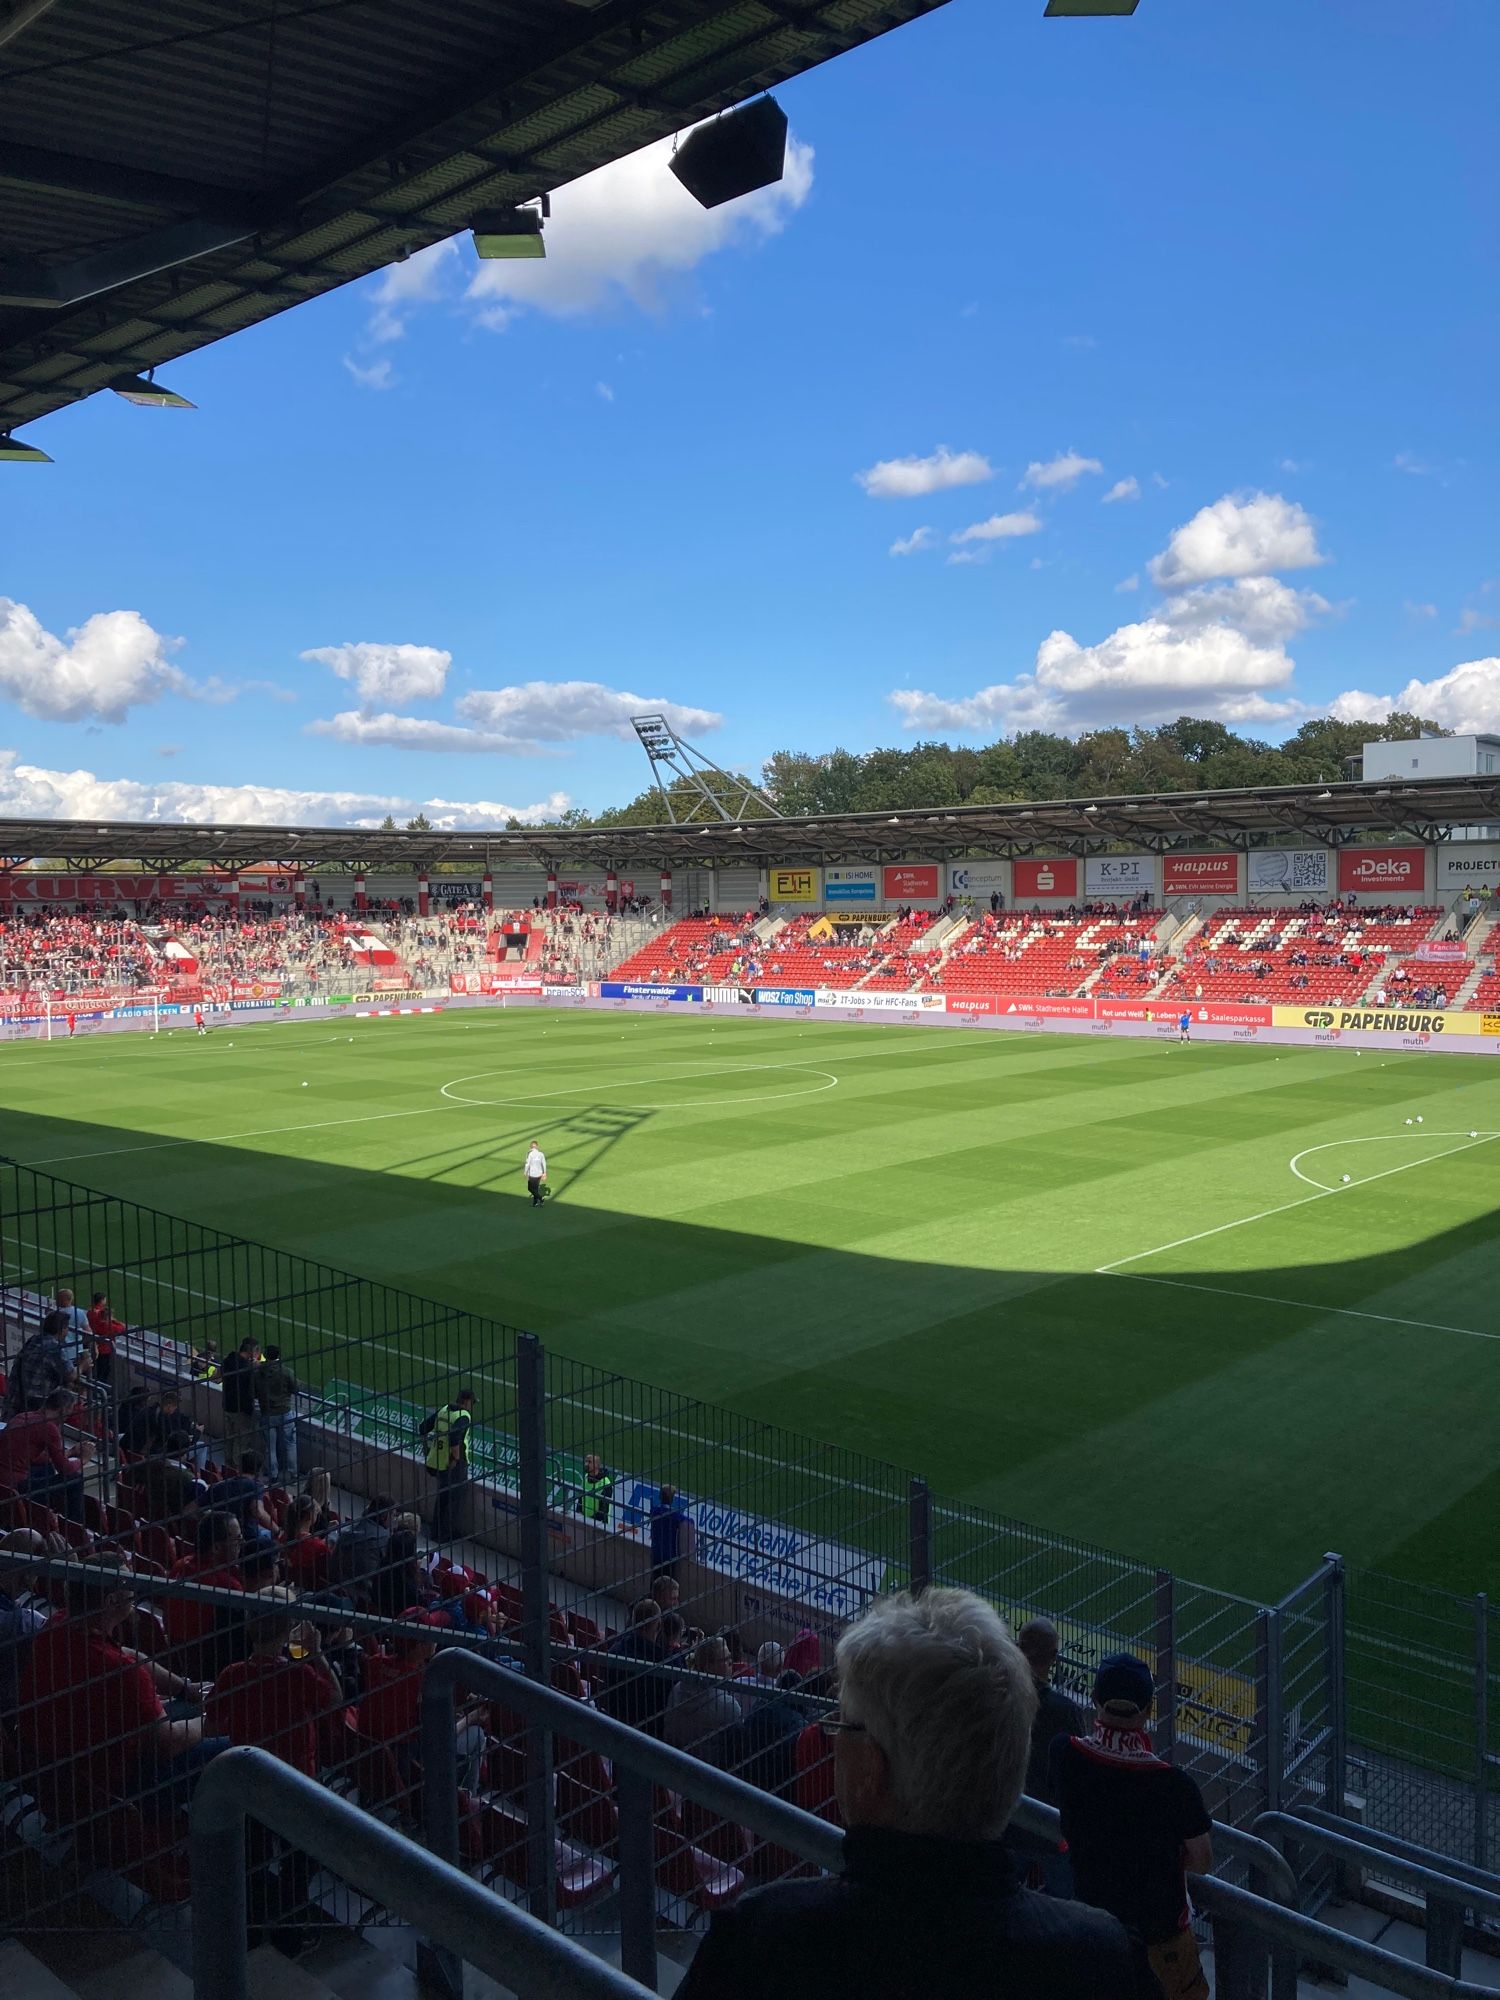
pixel 421 824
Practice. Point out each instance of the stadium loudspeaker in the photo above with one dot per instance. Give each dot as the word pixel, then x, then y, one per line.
pixel 742 151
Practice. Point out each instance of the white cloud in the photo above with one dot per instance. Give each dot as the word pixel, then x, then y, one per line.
pixel 913 478
pixel 969 556
pixel 998 528
pixel 1059 474
pixel 380 374
pixel 623 231
pixel 1262 607
pixel 407 732
pixel 1082 342
pixel 912 544
pixel 604 392
pixel 1414 610
pixel 1407 461
pixel 1293 464
pixel 29 791
pixel 1128 583
pixel 1465 700
pixel 419 280
pixel 1123 489
pixel 1239 535
pixel 1471 619
pixel 386 672
pixel 561 711
pixel 97 672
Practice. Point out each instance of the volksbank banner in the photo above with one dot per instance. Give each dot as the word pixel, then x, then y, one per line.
pixel 782 1560
pixel 625 989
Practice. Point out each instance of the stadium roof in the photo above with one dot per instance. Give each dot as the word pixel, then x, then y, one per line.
pixel 1425 809
pixel 174 170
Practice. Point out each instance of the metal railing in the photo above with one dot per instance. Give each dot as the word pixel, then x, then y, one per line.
pixel 502 1940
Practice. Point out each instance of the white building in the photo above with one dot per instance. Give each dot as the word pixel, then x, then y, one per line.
pixel 1433 757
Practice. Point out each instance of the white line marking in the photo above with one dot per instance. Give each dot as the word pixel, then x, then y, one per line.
pixel 1383 1139
pixel 1305 1305
pixel 1281 1208
pixel 449 1089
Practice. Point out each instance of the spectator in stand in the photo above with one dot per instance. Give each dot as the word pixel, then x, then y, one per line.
pixel 673 1535
pixel 40 1368
pixel 667 1592
pixel 304 1553
pixel 237 1379
pixel 770 1664
pixel 1135 1826
pixel 699 1715
pixel 634 1693
pixel 763 1750
pixel 91 1704
pixel 341 1649
pixel 203 1638
pixel 318 1487
pixel 23 1612
pixel 400 1584
pixel 361 1549
pixel 106 1330
pixel 34 1462
pixel 276 1396
pixel 390 1711
pixel 243 1494
pixel 77 1340
pixel 930 1743
pixel 673 1635
pixel 273 1701
pixel 1057 1715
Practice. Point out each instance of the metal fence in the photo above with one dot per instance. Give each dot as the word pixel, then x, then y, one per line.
pixel 737 1550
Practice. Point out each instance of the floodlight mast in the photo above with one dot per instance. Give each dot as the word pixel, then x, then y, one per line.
pixel 706 789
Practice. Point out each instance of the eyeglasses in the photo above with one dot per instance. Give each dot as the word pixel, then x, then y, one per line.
pixel 835 1725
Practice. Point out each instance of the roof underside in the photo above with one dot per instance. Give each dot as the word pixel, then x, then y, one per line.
pixel 172 171
pixel 1426 809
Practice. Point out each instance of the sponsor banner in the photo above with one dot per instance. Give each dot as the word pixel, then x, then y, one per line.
pixel 913 884
pixel 1467 864
pixel 1117 877
pixel 881 1003
pixel 794 885
pixel 1443 951
pixel 1167 1012
pixel 1046 1004
pixel 443 890
pixel 1383 871
pixel 1047 878
pixel 978 878
pixel 1380 1021
pixel 1200 875
pixel 722 995
pixel 564 993
pixel 971 1003
pixel 1489 1024
pixel 1286 871
pixel 625 989
pixel 782 1560
pixel 255 989
pixel 781 996
pixel 849 885
pixel 339 1000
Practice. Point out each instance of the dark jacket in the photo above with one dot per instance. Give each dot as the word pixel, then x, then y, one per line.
pixel 275 1388
pixel 909 1919
pixel 633 1693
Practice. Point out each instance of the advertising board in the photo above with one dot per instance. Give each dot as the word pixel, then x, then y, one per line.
pixel 1049 877
pixel 971 1003
pixel 1058 1007
pixel 1466 864
pixel 881 1003
pixel 1200 875
pixel 1380 1021
pixel 913 883
pixel 794 885
pixel 780 996
pixel 978 878
pixel 1288 871
pixel 1383 871
pixel 627 989
pixel 1118 876
pixel 849 885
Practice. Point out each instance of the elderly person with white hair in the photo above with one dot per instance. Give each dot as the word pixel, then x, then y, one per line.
pixel 930 1746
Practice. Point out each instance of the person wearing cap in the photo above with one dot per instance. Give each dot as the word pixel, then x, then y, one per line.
pixel 1135 1827
pixel 929 1747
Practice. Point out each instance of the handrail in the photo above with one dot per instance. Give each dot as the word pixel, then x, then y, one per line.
pixel 504 1941
pixel 1282 1827
pixel 1393 1845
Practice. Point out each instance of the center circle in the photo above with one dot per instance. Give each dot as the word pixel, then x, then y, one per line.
pixel 731 1101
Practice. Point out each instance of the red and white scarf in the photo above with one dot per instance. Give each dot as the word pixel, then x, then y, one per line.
pixel 1114 1745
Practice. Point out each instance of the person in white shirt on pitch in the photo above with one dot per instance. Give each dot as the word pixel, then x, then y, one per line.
pixel 536 1173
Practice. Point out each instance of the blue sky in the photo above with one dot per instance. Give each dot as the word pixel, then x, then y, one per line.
pixel 1235 264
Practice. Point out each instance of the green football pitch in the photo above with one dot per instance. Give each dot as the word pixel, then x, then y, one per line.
pixel 1117 1288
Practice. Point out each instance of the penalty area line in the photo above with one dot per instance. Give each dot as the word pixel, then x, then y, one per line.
pixel 1302 1305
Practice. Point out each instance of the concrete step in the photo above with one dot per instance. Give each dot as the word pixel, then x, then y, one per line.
pixel 142 1975
pixel 23 1977
pixel 273 1977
